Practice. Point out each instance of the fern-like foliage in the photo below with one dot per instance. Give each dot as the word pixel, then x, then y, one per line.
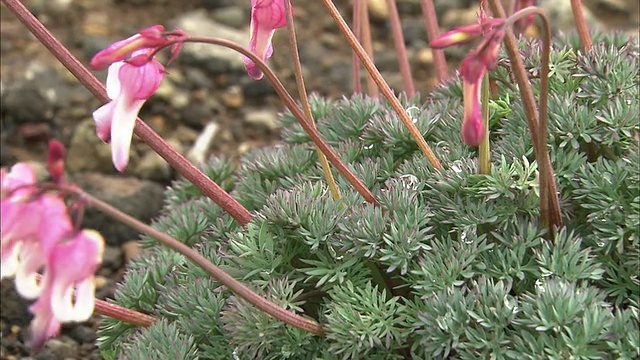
pixel 452 264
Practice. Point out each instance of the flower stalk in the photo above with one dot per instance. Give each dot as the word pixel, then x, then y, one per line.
pixel 549 204
pixel 382 84
pixel 304 99
pixel 431 23
pixel 401 49
pixel 581 24
pixel 484 149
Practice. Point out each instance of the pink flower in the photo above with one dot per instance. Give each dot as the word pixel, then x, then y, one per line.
pixel 266 17
pixel 472 72
pixel 472 69
pixel 150 37
pixel 128 87
pixel 56 304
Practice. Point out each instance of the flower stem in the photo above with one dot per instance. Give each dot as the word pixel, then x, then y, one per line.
pixel 401 49
pixel 431 22
pixel 208 187
pixel 288 101
pixel 550 214
pixel 384 87
pixel 234 285
pixel 484 151
pixel 304 100
pixel 581 24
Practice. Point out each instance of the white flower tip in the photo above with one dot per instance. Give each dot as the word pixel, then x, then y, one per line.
pixel 27 285
pixel 65 309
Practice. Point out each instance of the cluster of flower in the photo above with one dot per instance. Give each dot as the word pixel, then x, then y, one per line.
pixel 38 235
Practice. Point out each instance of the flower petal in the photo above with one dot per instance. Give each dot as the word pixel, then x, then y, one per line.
pixel 103 117
pixel 124 120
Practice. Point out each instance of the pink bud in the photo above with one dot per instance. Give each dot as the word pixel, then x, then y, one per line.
pixel 55 160
pixel 148 38
pixel 456 36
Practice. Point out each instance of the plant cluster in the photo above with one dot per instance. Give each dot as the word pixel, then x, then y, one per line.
pixel 451 264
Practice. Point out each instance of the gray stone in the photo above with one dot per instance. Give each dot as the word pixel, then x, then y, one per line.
pixel 87 152
pixel 139 198
pixel 215 59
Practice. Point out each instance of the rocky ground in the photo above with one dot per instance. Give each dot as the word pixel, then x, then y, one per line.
pixel 206 89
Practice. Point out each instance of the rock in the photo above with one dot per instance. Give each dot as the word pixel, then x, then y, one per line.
pixel 57 349
pixel 131 250
pixel 35 95
pixel 264 118
pixel 378 10
pixel 139 198
pixel 87 152
pixel 233 97
pixel 215 59
pixel 112 258
pixel 561 16
pixel 152 167
pixel 232 16
pixel 198 153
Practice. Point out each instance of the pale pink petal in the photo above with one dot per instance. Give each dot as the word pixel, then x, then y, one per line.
pixel 84 251
pixel 124 120
pixel 103 117
pixel 113 80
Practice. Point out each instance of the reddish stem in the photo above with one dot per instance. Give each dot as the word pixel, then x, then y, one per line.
pixel 401 49
pixel 208 187
pixel 433 31
pixel 581 24
pixel 355 63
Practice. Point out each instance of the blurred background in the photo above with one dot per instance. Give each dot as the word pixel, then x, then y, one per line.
pixel 207 96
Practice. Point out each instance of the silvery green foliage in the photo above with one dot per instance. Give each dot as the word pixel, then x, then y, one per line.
pixel 451 265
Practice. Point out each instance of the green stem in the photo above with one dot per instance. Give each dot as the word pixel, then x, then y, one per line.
pixel 304 100
pixel 484 152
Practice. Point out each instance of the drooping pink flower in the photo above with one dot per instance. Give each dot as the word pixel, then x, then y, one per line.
pixel 472 70
pixel 266 17
pixel 56 303
pixel 128 87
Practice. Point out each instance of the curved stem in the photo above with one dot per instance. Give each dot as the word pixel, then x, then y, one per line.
pixel 208 187
pixel 433 31
pixel 304 100
pixel 581 24
pixel 234 285
pixel 538 122
pixel 384 87
pixel 401 49
pixel 297 113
